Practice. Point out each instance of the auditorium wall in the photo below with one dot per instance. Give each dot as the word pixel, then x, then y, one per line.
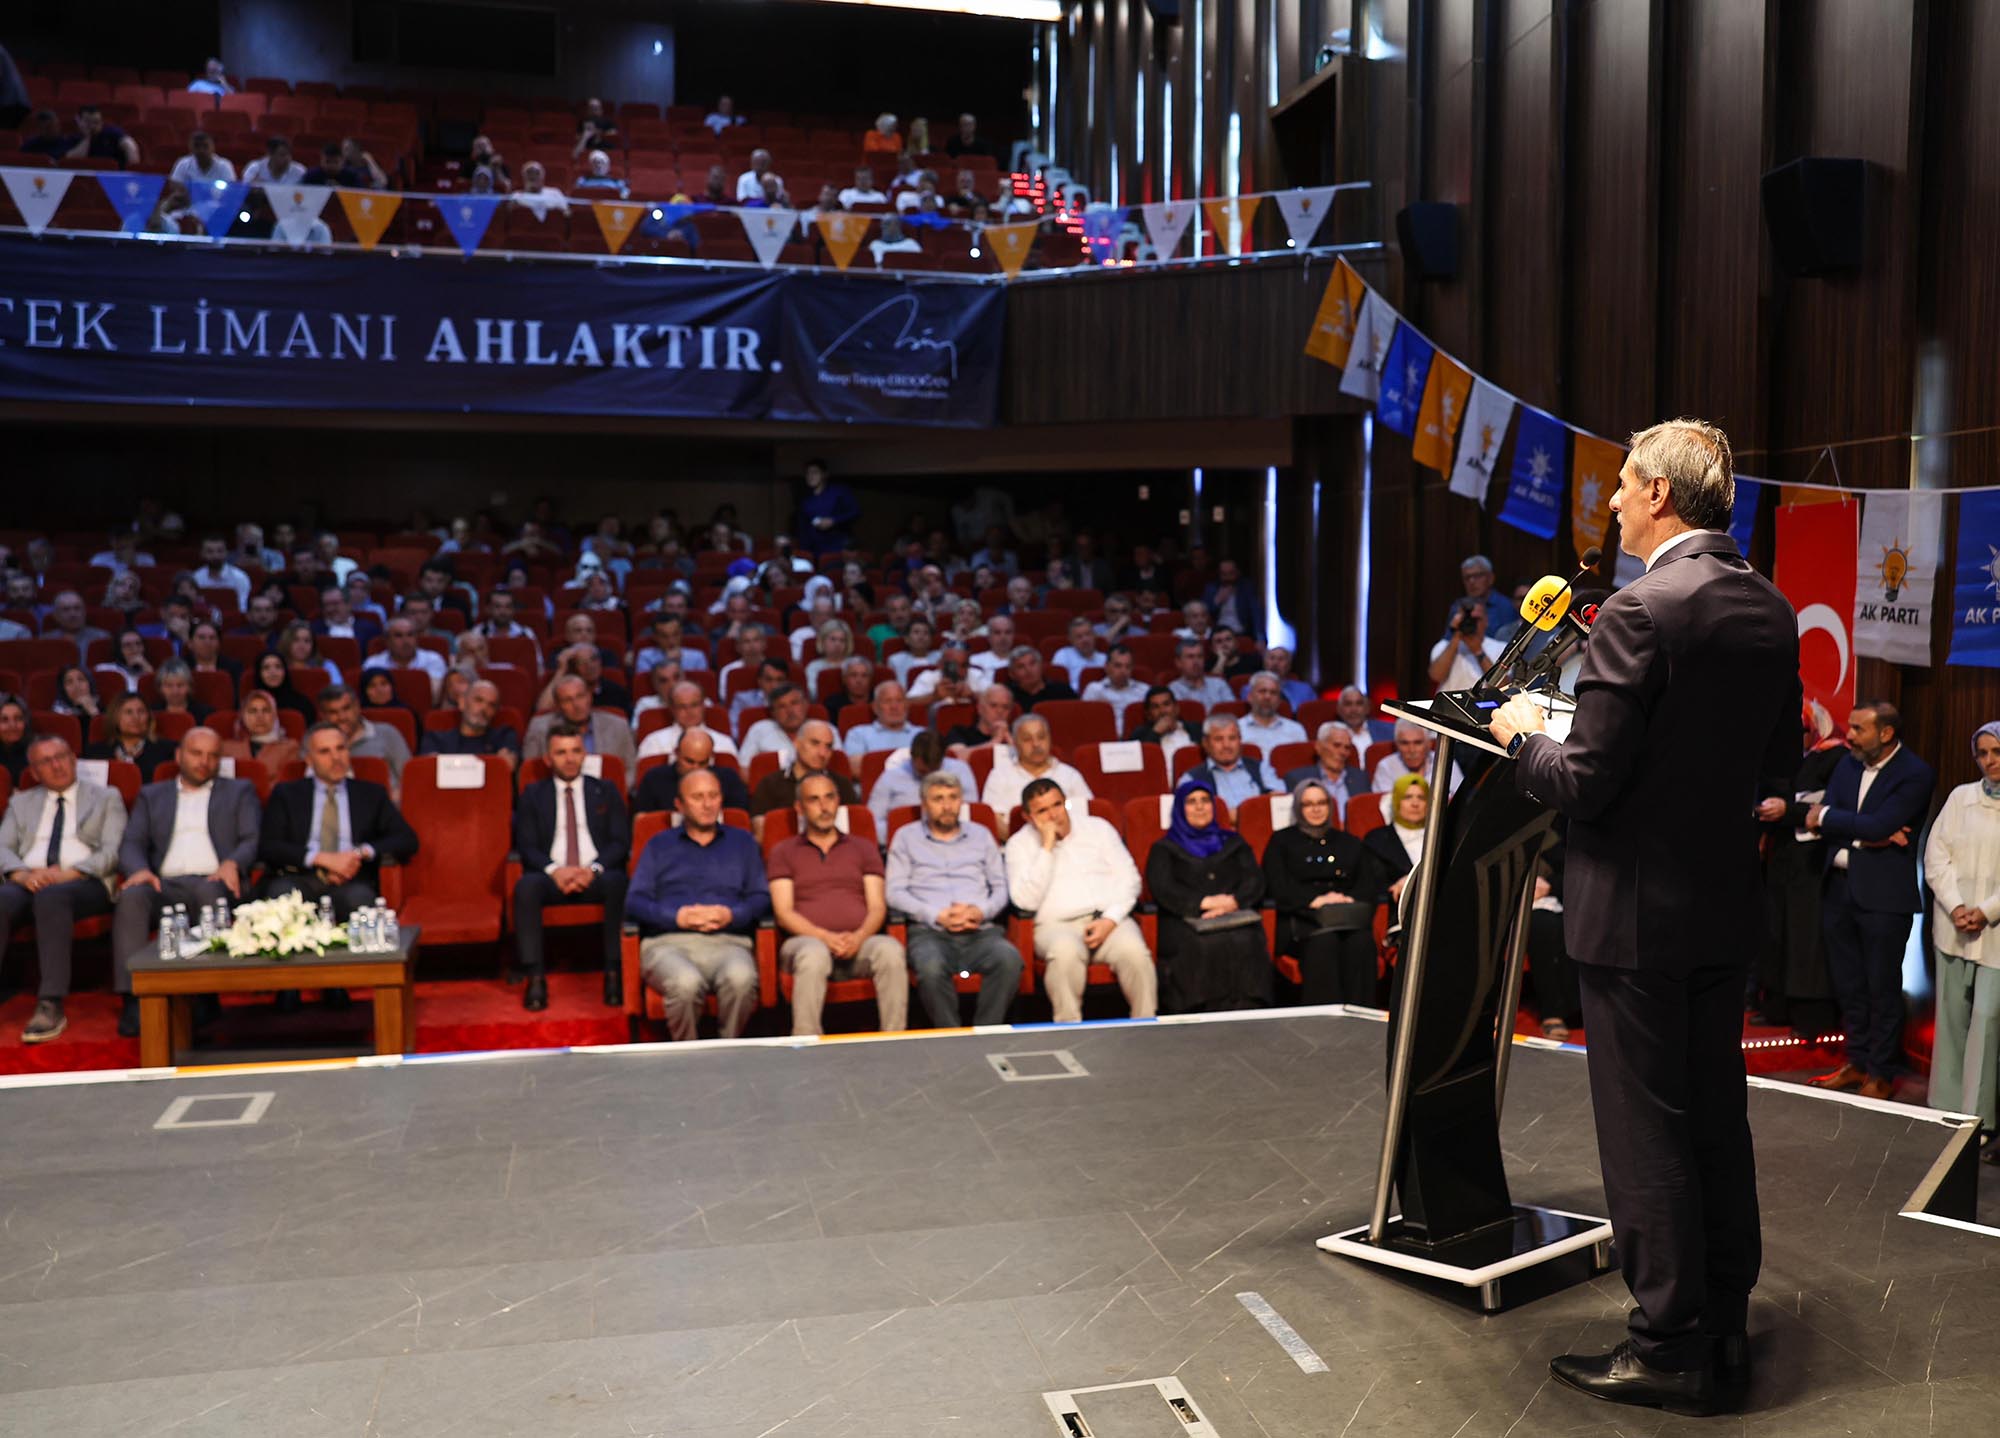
pixel 1615 267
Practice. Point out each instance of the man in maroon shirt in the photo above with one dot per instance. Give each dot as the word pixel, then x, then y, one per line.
pixel 829 899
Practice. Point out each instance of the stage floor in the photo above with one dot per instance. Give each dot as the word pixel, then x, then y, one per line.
pixel 889 1239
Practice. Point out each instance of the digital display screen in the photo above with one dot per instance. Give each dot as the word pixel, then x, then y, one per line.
pixel 1488 704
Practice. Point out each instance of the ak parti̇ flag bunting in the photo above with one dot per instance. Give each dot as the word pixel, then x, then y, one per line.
pixel 1595 464
pixel 1166 222
pixel 1374 327
pixel 617 219
pixel 1303 210
pixel 767 230
pixel 1333 326
pixel 133 196
pixel 1010 244
pixel 1535 485
pixel 1481 434
pixel 1975 617
pixel 1743 515
pixel 842 232
pixel 1902 546
pixel 36 193
pixel 296 209
pixel 368 214
pixel 467 217
pixel 1443 407
pixel 1230 219
pixel 1404 373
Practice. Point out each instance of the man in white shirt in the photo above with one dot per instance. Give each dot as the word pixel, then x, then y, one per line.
pixel 750 184
pixel 1075 876
pixel 668 641
pixel 774 735
pixel 988 667
pixel 500 622
pixel 1081 653
pixel 1030 757
pixel 1196 622
pixel 123 554
pixel 917 653
pixel 58 853
pixel 214 80
pixel 862 191
pixel 663 676
pixel 1414 755
pixel 1264 726
pixel 1191 677
pixel 1467 651
pixel 690 710
pixel 189 840
pixel 723 116
pixel 400 650
pixel 739 674
pixel 199 168
pixel 893 241
pixel 216 572
pixel 901 781
pixel 1117 688
pixel 948 681
pixel 889 729
pixel 275 167
pixel 536 195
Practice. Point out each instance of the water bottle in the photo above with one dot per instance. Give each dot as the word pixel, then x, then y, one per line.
pixel 223 918
pixel 169 944
pixel 326 910
pixel 392 934
pixel 207 930
pixel 180 931
pixel 365 916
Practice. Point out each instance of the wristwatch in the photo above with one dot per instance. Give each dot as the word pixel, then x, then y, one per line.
pixel 1514 744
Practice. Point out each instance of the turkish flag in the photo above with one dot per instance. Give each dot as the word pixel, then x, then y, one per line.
pixel 1818 547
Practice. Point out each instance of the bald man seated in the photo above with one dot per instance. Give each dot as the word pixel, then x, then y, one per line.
pixel 696 750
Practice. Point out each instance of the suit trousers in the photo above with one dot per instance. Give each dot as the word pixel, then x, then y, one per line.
pixel 1673 1140
pixel 937 956
pixel 683 968
pixel 1864 957
pixel 811 964
pixel 1968 1039
pixel 1060 945
pixel 138 913
pixel 56 910
pixel 536 892
pixel 357 893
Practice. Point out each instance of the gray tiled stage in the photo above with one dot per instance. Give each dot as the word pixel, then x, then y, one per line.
pixel 886 1240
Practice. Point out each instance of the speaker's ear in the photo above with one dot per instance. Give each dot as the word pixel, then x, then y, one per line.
pixel 1816 211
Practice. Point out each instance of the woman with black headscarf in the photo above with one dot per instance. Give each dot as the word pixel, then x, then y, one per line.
pixel 1325 884
pixel 1206 881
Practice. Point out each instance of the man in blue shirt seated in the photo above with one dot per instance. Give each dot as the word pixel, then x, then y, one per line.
pixel 697 898
pixel 947 876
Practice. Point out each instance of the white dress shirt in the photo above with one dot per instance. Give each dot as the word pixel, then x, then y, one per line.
pixel 1103 691
pixel 1868 771
pixel 1269 736
pixel 867 738
pixel 1463 673
pixel 1073 663
pixel 191 850
pixel 1210 690
pixel 1660 551
pixel 1004 785
pixel 766 736
pixel 74 852
pixel 1090 872
pixel 586 847
pixel 427 662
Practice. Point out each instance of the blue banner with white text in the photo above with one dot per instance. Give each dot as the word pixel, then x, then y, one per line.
pixel 185 326
pixel 1975 620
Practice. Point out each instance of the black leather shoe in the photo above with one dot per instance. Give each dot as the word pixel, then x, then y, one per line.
pixel 1622 1376
pixel 287 1001
pixel 207 1009
pixel 614 991
pixel 336 999
pixel 128 1017
pixel 536 997
pixel 1732 1372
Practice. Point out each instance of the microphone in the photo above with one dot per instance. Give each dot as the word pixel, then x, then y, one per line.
pixel 1575 631
pixel 1543 608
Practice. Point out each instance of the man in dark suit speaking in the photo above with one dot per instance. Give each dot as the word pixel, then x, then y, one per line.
pixel 1662 907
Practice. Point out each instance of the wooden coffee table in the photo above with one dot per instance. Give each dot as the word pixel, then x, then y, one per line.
pixel 165 986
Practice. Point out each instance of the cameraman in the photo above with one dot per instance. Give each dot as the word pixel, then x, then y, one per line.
pixel 1466 651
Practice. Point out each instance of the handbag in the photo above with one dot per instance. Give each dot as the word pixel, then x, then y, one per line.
pixel 1217 923
pixel 1343 918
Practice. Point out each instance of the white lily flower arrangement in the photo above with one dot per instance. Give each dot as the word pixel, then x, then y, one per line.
pixel 282 927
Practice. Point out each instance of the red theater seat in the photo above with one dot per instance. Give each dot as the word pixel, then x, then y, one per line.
pixel 456 887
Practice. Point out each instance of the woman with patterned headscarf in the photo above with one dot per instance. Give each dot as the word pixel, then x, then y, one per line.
pixel 1962 862
pixel 1791 982
pixel 1206 881
pixel 1324 884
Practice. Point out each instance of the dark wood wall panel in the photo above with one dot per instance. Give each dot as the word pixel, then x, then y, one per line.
pixel 1524 207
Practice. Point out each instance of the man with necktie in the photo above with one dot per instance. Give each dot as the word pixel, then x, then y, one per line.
pixel 574 837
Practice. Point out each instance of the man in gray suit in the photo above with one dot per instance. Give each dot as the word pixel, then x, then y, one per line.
pixel 190 840
pixel 58 854
pixel 604 732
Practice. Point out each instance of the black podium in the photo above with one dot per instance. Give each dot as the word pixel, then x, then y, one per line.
pixel 1457 988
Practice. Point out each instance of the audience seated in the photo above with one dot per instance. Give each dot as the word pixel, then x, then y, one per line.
pixel 695 750
pixel 812 752
pixel 1161 723
pixel 698 895
pixel 1415 754
pixel 1225 769
pixel 93 139
pixel 1078 881
pixel 132 736
pixel 191 839
pixel 476 732
pixel 595 130
pixel 213 80
pixel 827 896
pixel 327 834
pixel 1192 680
pixel 573 837
pixel 1030 757
pixel 777 733
pixel 1399 843
pixel 603 731
pixel 59 846
pixel 1325 885
pixel 723 117
pixel 1207 883
pixel 889 728
pixel 1028 680
pixel 597 177
pixel 1264 726
pixel 1336 765
pixel 259 735
pixel 948 878
pixel 361 736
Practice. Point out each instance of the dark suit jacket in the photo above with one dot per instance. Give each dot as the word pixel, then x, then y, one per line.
pixel 1881 880
pixel 1354 779
pixel 1391 858
pixel 1688 702
pixel 375 819
pixel 233 824
pixel 603 814
pixel 662 785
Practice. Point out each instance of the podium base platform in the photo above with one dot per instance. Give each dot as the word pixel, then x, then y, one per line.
pixel 1537 1236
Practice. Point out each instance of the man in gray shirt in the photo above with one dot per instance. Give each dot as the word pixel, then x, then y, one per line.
pixel 338 705
pixel 947 876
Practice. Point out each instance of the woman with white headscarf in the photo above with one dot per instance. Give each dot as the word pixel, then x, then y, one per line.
pixel 1962 862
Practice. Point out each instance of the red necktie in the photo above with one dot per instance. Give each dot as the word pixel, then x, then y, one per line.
pixel 572 854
